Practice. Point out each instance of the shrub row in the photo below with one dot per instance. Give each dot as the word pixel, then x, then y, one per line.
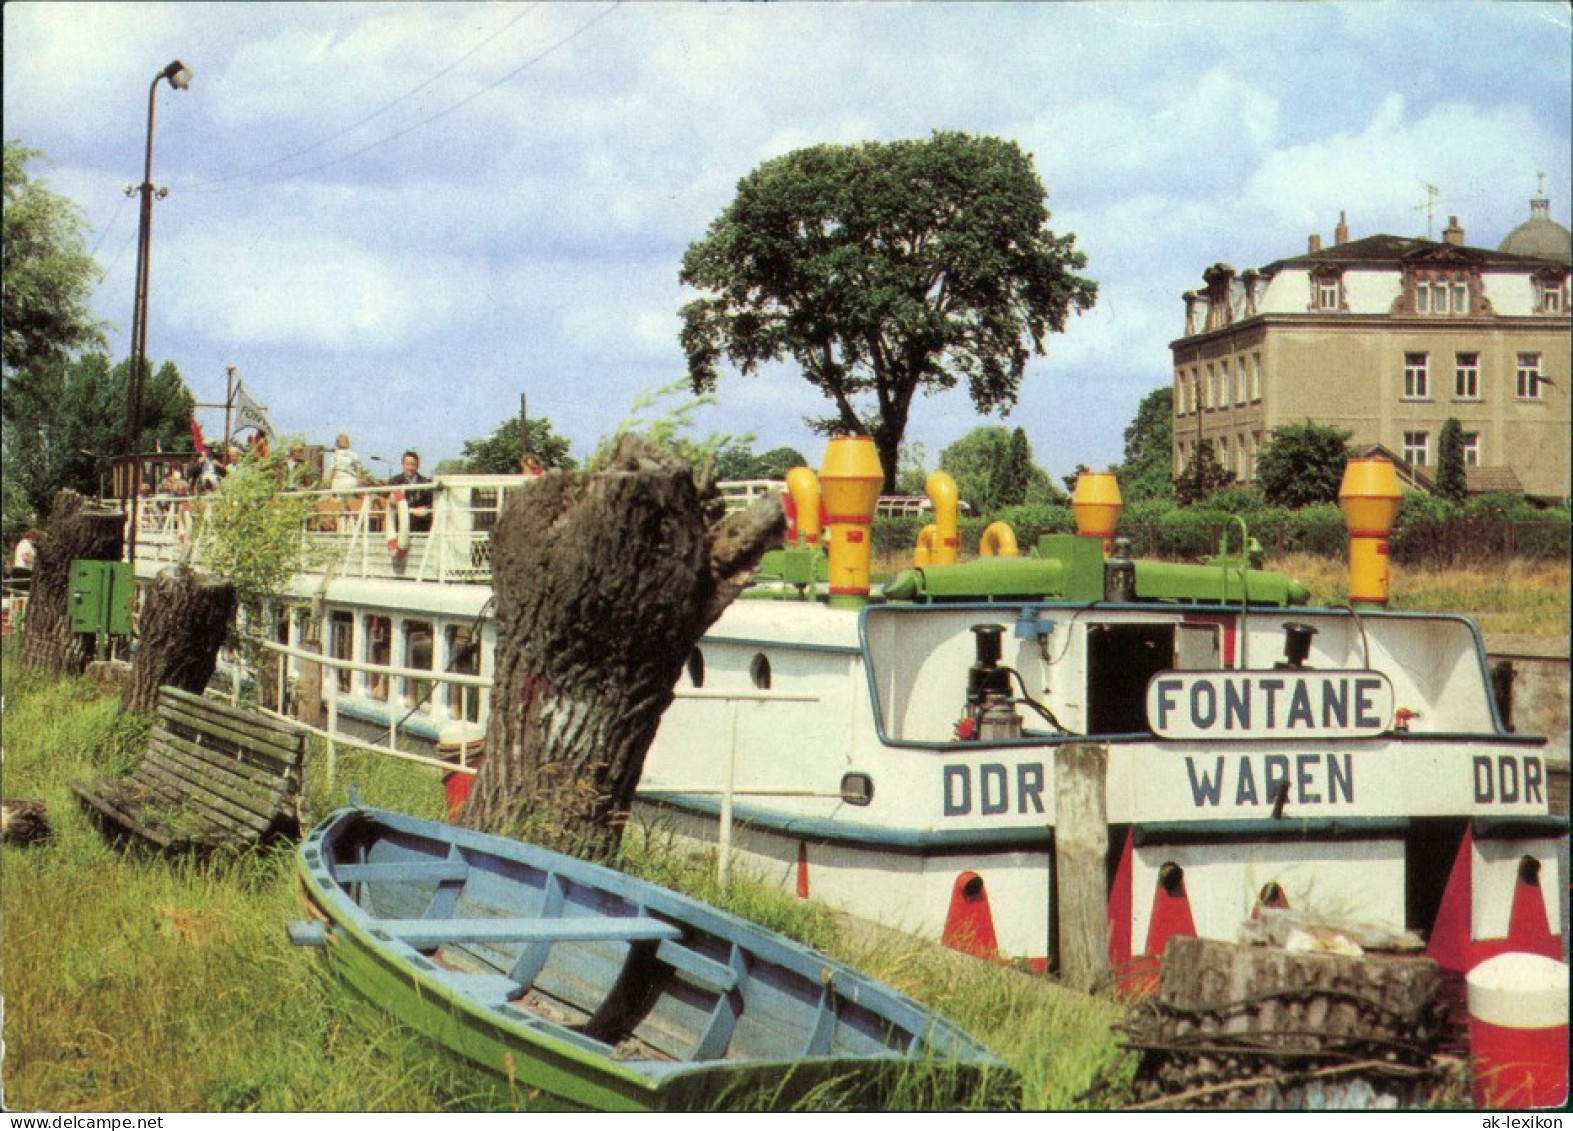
pixel 1428 531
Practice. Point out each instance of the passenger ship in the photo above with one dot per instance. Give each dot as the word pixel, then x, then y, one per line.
pixel 989 752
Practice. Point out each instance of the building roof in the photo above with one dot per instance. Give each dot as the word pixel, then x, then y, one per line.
pixel 1394 251
pixel 1492 480
pixel 1540 236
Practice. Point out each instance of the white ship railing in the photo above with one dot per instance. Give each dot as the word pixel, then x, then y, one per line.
pixel 346 534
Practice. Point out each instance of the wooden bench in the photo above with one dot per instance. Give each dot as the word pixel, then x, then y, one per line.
pixel 212 776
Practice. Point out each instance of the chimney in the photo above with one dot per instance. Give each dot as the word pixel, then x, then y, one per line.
pixel 1314 244
pixel 1341 233
pixel 1453 234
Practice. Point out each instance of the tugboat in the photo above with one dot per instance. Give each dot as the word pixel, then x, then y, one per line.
pixel 1014 755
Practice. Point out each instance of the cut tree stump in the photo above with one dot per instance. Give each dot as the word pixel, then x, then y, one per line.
pixel 605 582
pixel 1254 1027
pixel 75 531
pixel 185 618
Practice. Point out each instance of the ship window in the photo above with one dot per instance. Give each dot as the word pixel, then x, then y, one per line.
pixel 417 654
pixel 760 671
pixel 1121 658
pixel 464 658
pixel 342 643
pixel 379 650
pixel 696 668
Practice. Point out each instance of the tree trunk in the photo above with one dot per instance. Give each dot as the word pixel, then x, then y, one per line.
pixel 604 584
pixel 75 532
pixel 184 621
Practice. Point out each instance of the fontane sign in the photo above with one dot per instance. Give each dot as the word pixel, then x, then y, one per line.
pixel 1282 703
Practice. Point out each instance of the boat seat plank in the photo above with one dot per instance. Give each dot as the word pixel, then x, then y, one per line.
pixel 709 974
pixel 424 933
pixel 400 871
pixel 211 776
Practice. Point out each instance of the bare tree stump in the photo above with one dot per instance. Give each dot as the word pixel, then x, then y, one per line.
pixel 74 532
pixel 604 584
pixel 185 618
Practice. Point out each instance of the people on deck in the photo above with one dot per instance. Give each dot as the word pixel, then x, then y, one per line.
pixel 419 501
pixel 297 471
pixel 345 469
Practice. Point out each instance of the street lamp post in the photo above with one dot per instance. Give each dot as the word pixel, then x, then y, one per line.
pixel 179 76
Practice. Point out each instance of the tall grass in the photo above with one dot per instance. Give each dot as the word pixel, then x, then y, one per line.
pixel 1529 598
pixel 136 982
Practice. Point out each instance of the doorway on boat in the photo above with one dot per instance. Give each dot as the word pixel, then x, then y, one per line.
pixel 1121 658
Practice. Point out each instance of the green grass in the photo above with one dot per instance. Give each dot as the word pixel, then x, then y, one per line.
pixel 134 982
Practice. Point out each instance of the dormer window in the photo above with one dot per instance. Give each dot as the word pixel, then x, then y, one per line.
pixel 1327 288
pixel 1550 292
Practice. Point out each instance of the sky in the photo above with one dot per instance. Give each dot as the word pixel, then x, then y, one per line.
pixel 394 219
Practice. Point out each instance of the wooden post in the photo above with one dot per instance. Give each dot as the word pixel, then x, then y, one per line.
pixel 1081 850
pixel 308 688
pixel 524 429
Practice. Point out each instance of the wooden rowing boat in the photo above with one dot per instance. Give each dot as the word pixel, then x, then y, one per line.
pixel 606 991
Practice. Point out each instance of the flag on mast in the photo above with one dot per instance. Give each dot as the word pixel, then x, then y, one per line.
pixel 196 434
pixel 248 413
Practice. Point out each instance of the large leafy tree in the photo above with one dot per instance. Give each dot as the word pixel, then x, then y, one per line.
pixel 500 453
pixel 884 270
pixel 60 430
pixel 1303 464
pixel 1149 444
pixel 992 466
pixel 48 275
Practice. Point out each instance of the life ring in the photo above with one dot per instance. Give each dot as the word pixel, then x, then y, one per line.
pixel 399 527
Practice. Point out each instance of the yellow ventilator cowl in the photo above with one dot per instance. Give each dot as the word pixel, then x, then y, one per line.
pixel 1370 497
pixel 850 481
pixel 1097 504
pixel 942 493
pixel 803 486
pixel 999 541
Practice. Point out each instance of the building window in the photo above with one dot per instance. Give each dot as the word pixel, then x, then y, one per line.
pixel 1460 298
pixel 1327 294
pixel 1416 448
pixel 417 654
pixel 1211 387
pixel 1529 376
pixel 1471 449
pixel 1466 377
pixel 379 651
pixel 341 644
pixel 1256 376
pixel 1551 300
pixel 1439 303
pixel 1239 381
pixel 1239 456
pixel 1179 392
pixel 1256 452
pixel 1422 298
pixel 1417 377
pixel 464 658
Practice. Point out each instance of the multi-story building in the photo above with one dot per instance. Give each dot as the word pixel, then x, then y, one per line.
pixel 1387 337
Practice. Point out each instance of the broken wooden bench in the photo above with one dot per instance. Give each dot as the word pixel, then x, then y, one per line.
pixel 212 776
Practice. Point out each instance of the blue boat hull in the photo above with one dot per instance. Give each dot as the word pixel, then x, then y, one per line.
pixel 607 992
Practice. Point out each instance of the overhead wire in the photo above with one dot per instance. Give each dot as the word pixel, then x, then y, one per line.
pixel 439 115
pixel 203 186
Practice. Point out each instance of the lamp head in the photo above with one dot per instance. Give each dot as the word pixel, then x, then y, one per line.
pixel 178 74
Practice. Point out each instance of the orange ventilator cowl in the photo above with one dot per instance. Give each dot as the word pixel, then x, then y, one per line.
pixel 942 493
pixel 850 481
pixel 803 486
pixel 1097 504
pixel 1370 497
